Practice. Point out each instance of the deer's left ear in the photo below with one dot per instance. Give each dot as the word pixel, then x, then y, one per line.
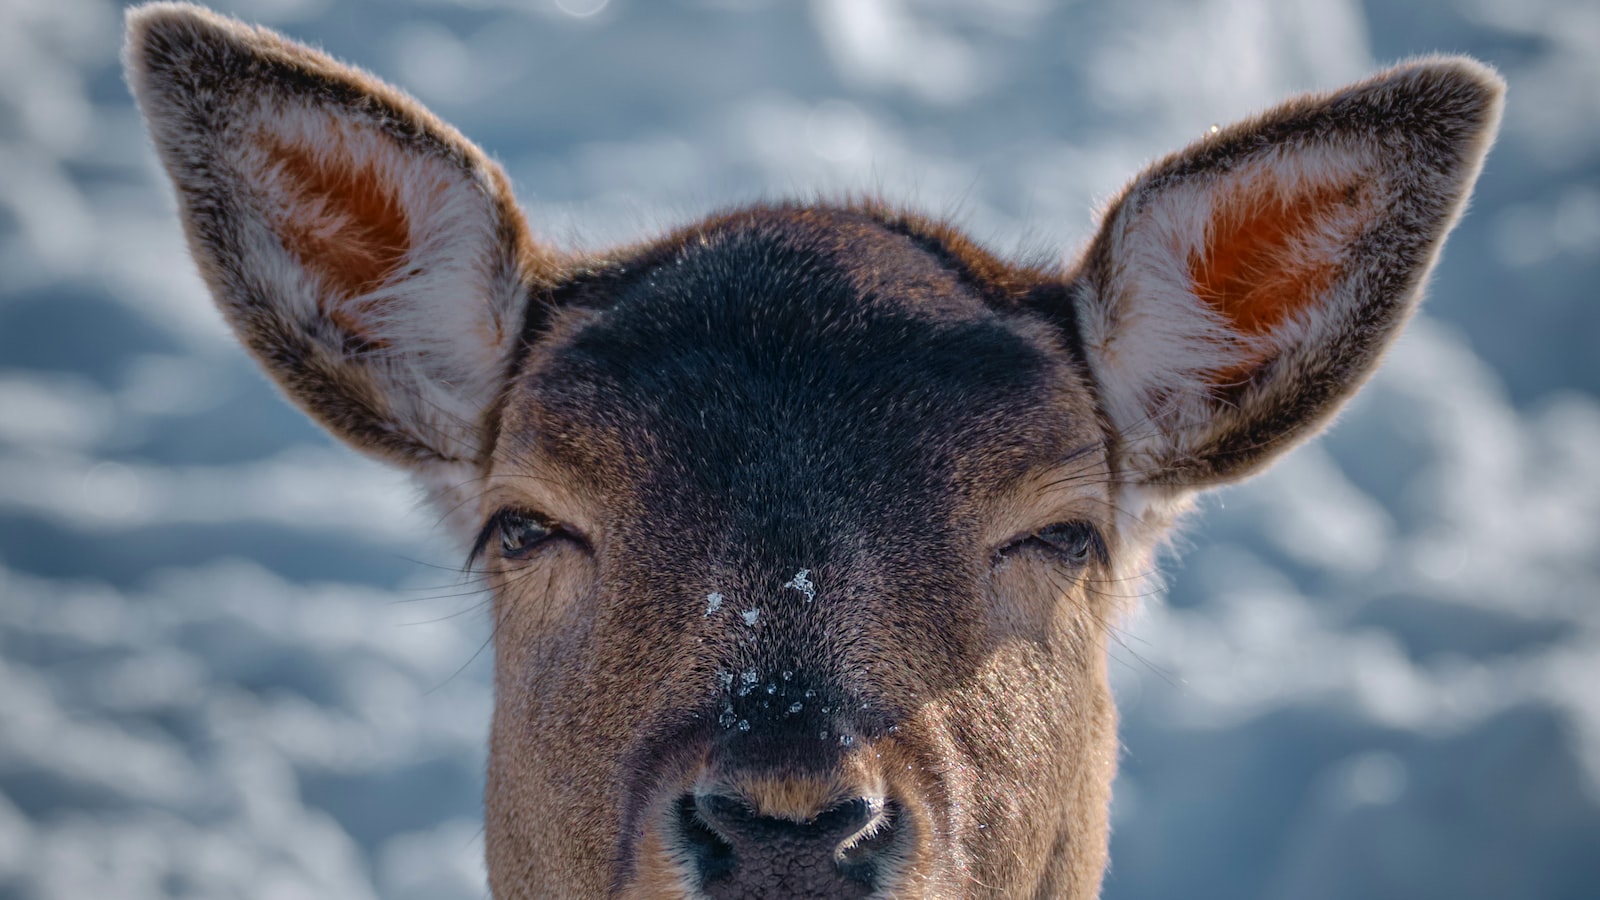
pixel 1240 290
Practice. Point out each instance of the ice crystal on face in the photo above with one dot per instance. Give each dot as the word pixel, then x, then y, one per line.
pixel 725 679
pixel 744 724
pixel 747 682
pixel 713 602
pixel 802 583
pixel 750 616
pixel 796 707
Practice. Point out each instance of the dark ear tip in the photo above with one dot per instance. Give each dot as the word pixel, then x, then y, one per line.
pixel 153 26
pixel 164 37
pixel 1460 84
pixel 1466 69
pixel 1448 105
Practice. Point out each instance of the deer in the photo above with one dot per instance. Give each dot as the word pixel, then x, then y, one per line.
pixel 804 526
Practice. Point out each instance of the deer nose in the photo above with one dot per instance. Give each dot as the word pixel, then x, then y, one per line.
pixel 842 851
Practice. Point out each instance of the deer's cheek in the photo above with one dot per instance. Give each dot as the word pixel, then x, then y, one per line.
pixel 550 796
pixel 540 605
pixel 1046 672
pixel 1036 600
pixel 1033 727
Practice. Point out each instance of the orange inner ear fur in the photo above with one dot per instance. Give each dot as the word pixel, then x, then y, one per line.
pixel 343 223
pixel 1263 260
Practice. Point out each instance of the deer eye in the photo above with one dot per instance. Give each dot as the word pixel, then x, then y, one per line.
pixel 520 532
pixel 1075 543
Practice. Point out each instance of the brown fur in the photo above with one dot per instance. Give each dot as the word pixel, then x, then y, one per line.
pixel 368 236
pixel 1258 235
pixel 841 506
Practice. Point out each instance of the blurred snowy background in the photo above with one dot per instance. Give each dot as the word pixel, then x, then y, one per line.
pixel 230 665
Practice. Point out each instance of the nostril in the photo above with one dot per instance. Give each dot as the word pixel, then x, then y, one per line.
pixel 846 819
pixel 722 814
pixel 711 854
pixel 861 856
pixel 722 836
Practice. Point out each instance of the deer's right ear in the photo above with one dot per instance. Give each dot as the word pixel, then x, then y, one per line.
pixel 370 257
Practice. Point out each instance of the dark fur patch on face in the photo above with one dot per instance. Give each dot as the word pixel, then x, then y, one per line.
pixel 781 336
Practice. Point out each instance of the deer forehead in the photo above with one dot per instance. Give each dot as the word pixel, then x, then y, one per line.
pixel 778 373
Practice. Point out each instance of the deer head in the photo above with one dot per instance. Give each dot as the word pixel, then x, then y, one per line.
pixel 805 524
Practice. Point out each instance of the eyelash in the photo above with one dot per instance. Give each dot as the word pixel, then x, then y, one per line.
pixel 1076 543
pixel 500 525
